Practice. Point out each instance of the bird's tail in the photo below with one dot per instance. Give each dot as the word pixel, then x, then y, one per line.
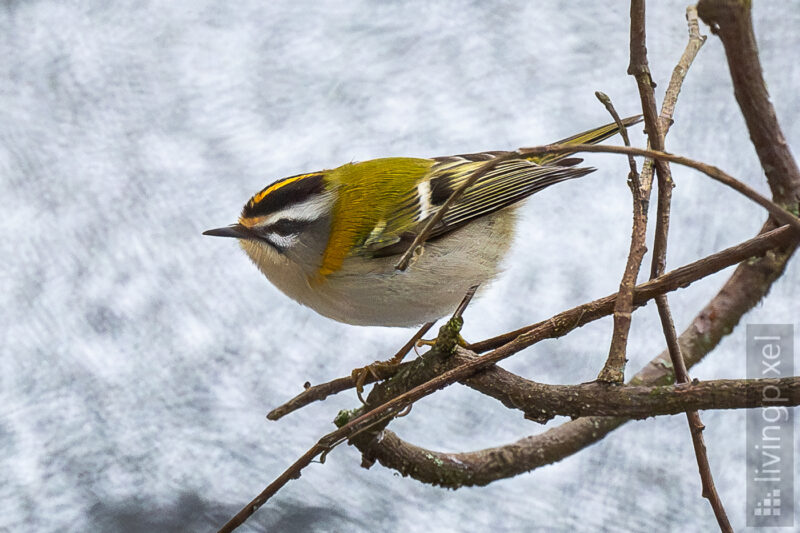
pixel 592 136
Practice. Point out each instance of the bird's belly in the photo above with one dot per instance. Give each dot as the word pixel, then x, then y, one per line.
pixel 373 293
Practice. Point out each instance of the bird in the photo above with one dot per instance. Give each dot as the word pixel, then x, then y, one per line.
pixel 331 239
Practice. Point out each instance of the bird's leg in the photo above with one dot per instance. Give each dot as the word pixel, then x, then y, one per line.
pixel 450 333
pixel 449 336
pixel 361 374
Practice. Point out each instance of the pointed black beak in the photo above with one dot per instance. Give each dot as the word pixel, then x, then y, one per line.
pixel 236 231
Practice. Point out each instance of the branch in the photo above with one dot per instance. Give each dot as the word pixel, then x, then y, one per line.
pixel 696 41
pixel 623 132
pixel 746 287
pixel 749 283
pixel 731 21
pixel 743 290
pixel 541 402
pixel 665 183
pixel 454 470
pixel 319 392
pixel 753 250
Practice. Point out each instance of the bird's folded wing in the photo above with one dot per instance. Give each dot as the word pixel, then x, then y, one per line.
pixel 509 182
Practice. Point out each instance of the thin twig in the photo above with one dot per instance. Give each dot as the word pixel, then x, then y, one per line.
pixel 679 73
pixel 696 41
pixel 781 215
pixel 614 368
pixel 623 131
pixel 640 70
pixel 656 134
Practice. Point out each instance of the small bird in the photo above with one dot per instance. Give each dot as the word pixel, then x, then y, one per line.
pixel 331 239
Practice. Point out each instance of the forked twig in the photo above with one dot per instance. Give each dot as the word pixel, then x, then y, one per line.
pixel 614 368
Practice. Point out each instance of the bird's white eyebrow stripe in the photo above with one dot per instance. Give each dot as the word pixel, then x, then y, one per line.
pixel 424 193
pixel 308 210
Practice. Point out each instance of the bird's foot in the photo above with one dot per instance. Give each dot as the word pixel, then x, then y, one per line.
pixel 461 341
pixel 384 369
pixel 378 370
pixel 449 337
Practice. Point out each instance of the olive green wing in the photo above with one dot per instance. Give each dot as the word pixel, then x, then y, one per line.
pixel 509 182
pixel 506 184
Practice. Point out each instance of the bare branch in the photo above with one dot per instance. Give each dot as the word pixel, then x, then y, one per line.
pixel 541 402
pixel 732 22
pixel 753 250
pixel 613 370
pixel 749 283
pixel 696 41
pixel 316 393
pixel 665 185
pixel 623 131
pixel 747 286
pixel 481 467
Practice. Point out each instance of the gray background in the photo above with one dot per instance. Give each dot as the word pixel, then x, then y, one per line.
pixel 139 358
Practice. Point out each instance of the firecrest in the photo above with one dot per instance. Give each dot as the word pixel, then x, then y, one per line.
pixel 331 239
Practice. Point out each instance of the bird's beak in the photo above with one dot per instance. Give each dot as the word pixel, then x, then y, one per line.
pixel 236 231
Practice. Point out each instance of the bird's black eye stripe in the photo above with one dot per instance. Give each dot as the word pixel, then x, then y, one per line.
pixel 285 227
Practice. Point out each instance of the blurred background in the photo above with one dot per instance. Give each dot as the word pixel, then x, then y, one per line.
pixel 138 358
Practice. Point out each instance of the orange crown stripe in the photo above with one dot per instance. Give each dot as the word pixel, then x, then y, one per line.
pixel 275 186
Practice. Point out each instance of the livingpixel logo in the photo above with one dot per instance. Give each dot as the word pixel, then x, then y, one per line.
pixel 770 428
